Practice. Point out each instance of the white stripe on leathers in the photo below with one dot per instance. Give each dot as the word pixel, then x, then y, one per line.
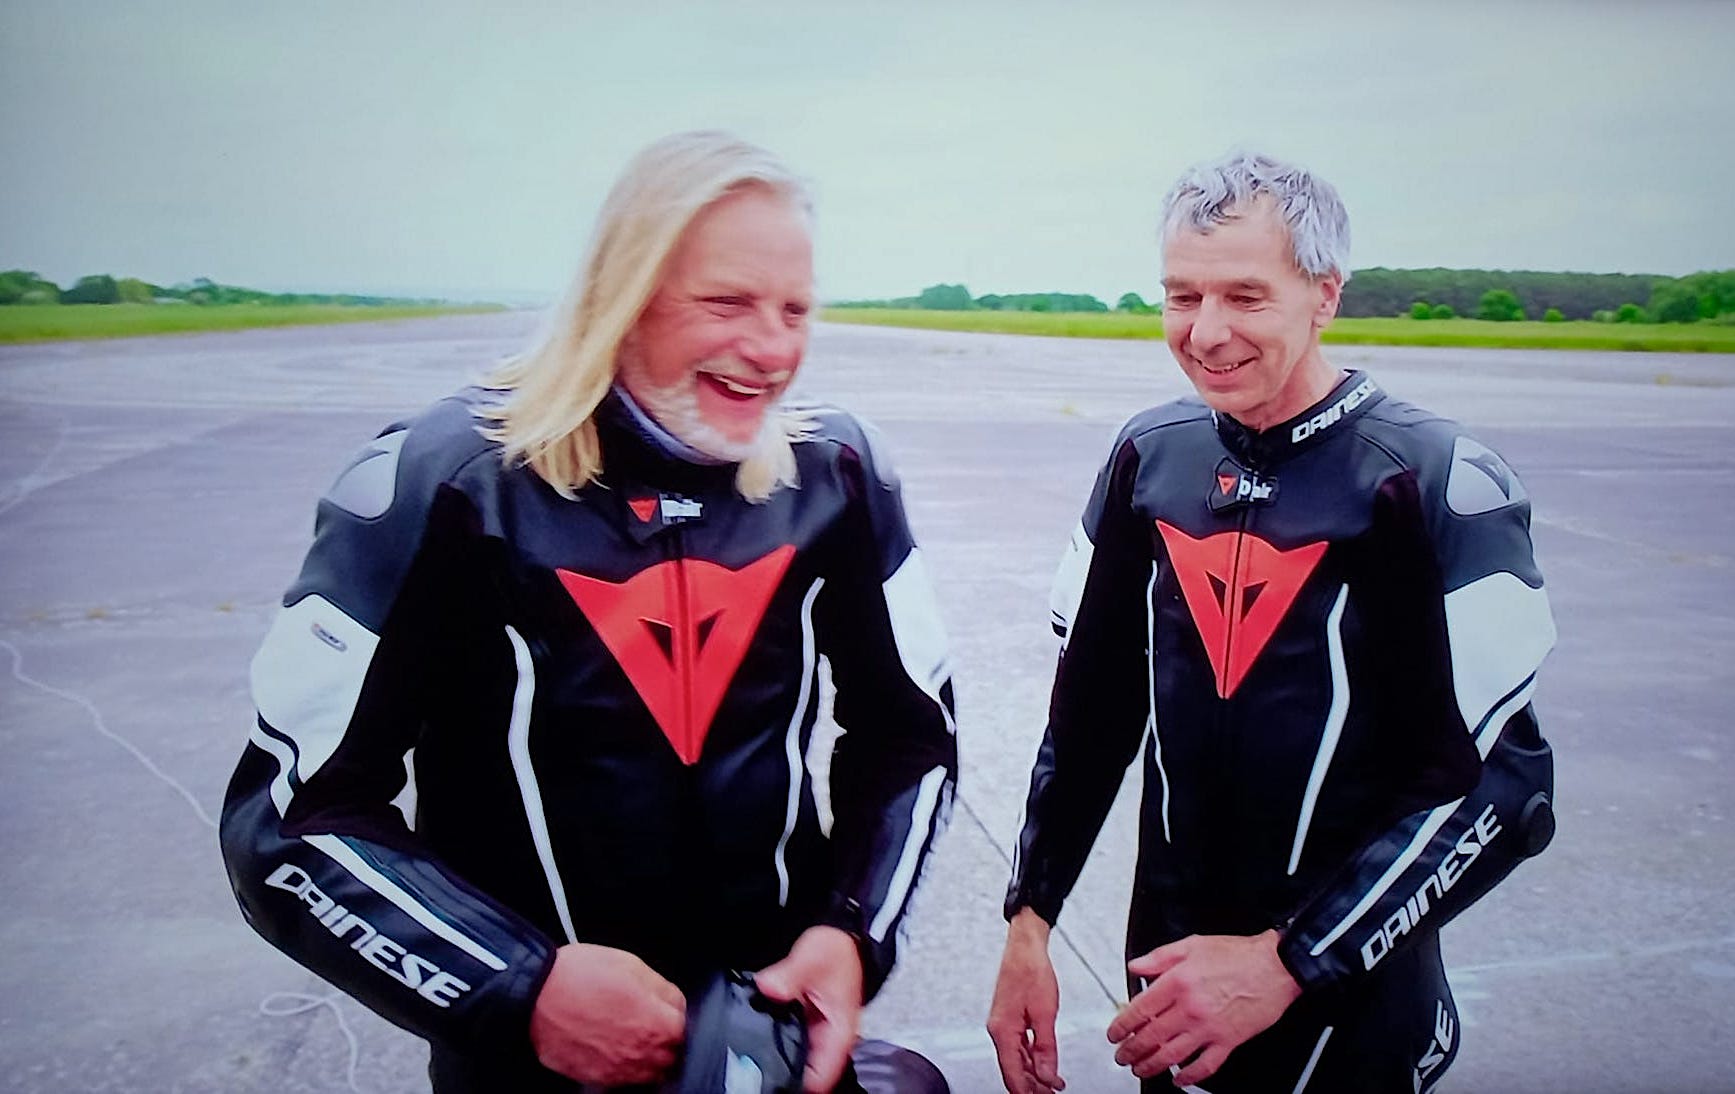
pixel 792 742
pixel 529 789
pixel 339 852
pixel 1499 629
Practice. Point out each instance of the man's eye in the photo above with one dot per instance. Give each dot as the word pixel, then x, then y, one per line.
pixel 796 311
pixel 1244 300
pixel 1182 300
pixel 727 301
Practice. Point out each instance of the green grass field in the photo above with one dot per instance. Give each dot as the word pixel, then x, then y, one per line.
pixel 1673 337
pixel 57 322
pixel 69 321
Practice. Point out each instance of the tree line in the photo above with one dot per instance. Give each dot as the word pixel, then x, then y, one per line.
pixel 1520 294
pixel 28 287
pixel 1434 293
pixel 958 298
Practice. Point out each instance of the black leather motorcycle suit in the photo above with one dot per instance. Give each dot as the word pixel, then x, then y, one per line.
pixel 1324 636
pixel 609 700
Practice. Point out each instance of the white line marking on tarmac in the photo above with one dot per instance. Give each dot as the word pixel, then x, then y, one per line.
pixel 102 728
pixel 297 1002
pixel 30 483
pixel 286 1004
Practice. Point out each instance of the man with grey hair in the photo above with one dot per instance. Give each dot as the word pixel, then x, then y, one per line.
pixel 589 599
pixel 1316 611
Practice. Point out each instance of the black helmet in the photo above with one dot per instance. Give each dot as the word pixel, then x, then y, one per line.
pixel 740 1042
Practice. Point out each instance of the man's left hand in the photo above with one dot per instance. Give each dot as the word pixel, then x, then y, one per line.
pixel 1207 995
pixel 823 971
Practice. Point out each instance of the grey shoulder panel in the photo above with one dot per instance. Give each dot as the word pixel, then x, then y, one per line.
pixel 431 446
pixel 1479 480
pixel 366 487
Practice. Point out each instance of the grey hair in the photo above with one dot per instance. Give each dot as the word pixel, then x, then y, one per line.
pixel 1216 192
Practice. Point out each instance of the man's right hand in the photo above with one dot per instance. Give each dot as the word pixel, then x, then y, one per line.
pixel 1026 1000
pixel 604 1017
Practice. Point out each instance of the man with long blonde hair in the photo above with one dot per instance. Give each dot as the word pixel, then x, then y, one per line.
pixel 597 596
pixel 599 331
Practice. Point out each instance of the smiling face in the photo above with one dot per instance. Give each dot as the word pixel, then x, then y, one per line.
pixel 726 329
pixel 1243 322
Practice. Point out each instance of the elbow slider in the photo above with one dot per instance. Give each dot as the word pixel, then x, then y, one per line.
pixel 1536 824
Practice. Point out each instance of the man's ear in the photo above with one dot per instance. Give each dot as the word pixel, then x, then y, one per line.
pixel 1330 296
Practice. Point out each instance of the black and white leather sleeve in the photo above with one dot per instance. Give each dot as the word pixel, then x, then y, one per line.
pixel 894 769
pixel 321 860
pixel 1425 869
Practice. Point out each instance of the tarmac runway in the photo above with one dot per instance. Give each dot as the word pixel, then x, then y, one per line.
pixel 156 496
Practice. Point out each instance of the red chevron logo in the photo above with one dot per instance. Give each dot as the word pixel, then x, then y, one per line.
pixel 679 630
pixel 1238 588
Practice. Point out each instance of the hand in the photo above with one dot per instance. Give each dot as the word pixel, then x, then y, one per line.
pixel 605 1017
pixel 823 971
pixel 1207 995
pixel 1026 1001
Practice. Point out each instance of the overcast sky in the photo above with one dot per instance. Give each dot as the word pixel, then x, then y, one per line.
pixel 455 148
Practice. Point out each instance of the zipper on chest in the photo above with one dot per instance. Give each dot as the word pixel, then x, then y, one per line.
pixel 1213 574
pixel 683 636
pixel 1235 594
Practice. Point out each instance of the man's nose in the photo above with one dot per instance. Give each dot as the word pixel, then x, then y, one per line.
pixel 773 346
pixel 1210 327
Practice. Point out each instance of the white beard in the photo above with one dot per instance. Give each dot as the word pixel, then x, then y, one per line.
pixel 676 409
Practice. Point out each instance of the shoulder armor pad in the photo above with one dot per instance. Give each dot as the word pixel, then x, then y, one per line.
pixel 1480 481
pixel 365 488
pixel 437 441
pixel 833 423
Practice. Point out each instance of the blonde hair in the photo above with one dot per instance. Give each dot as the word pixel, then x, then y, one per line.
pixel 555 387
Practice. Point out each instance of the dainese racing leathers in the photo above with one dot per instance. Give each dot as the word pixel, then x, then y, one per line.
pixel 1324 636
pixel 609 700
